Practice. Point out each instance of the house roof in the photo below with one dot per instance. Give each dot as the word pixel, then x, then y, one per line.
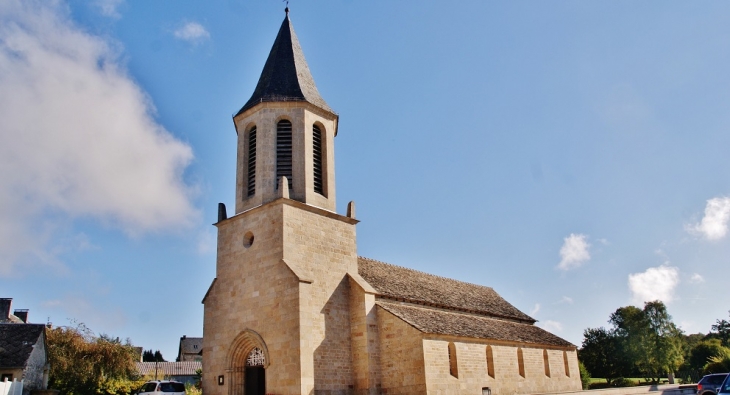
pixel 441 322
pixel 412 286
pixel 190 345
pixel 286 75
pixel 186 368
pixel 16 343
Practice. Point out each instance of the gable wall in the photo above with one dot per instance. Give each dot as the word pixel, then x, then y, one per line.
pixel 472 368
pixel 401 356
pixel 365 341
pixel 35 368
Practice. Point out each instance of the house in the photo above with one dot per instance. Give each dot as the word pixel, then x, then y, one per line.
pixel 294 310
pixel 184 372
pixel 23 350
pixel 191 349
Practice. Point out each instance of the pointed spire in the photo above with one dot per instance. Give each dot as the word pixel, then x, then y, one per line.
pixel 286 76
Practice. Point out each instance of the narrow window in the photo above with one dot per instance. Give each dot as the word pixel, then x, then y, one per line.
pixel 520 362
pixel 565 362
pixel 490 362
pixel 453 367
pixel 317 155
pixel 251 184
pixel 283 152
pixel 546 361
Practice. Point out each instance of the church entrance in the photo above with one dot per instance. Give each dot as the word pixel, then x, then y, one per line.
pixel 255 374
pixel 247 363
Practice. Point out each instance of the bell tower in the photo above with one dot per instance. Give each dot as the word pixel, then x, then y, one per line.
pixel 276 317
pixel 286 130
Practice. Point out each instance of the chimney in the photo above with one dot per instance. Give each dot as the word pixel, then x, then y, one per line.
pixel 5 309
pixel 22 314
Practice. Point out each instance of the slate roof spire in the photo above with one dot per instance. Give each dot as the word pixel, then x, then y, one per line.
pixel 286 76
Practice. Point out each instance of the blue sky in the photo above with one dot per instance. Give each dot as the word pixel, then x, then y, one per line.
pixel 572 155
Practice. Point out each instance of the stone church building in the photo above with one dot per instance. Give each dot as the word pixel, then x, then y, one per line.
pixel 294 310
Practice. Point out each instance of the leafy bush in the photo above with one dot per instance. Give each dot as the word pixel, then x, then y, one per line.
pixel 623 382
pixel 191 389
pixel 585 377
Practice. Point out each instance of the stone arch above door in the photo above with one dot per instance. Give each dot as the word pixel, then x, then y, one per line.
pixel 242 346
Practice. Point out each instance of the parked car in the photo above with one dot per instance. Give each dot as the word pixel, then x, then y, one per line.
pixel 710 384
pixel 725 386
pixel 162 386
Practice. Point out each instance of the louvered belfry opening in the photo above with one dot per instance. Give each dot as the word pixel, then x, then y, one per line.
pixel 283 152
pixel 251 184
pixel 317 155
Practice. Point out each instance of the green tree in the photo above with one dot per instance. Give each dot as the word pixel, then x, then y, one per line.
pixel 602 354
pixel 630 327
pixel 82 363
pixel 663 342
pixel 722 330
pixel 640 341
pixel 149 356
pixel 701 353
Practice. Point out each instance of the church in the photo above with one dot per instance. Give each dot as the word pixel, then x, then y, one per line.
pixel 294 310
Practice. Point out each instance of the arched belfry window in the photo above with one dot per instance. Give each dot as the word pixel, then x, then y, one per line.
pixel 317 159
pixel 546 362
pixel 251 170
pixel 565 362
pixel 283 151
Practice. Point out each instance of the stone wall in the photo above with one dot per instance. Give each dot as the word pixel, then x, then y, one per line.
pixel 254 290
pixel 471 356
pixel 401 356
pixel 321 246
pixel 290 286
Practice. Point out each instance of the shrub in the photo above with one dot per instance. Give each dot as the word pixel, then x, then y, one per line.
pixel 585 376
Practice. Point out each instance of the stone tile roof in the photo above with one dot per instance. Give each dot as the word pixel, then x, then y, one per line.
pixel 412 286
pixel 186 368
pixel 16 343
pixel 440 322
pixel 190 345
pixel 286 75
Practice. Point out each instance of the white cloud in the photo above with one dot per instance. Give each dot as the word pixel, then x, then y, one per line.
pixel 656 283
pixel 192 32
pixel 574 252
pixel 566 299
pixel 109 7
pixel 535 309
pixel 78 138
pixel 697 279
pixel 551 326
pixel 713 225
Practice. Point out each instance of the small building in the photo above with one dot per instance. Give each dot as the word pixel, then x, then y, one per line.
pixel 191 349
pixel 23 350
pixel 184 372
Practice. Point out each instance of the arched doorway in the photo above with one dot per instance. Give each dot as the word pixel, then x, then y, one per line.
pixel 255 374
pixel 248 359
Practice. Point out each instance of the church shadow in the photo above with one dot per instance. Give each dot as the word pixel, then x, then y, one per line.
pixel 332 358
